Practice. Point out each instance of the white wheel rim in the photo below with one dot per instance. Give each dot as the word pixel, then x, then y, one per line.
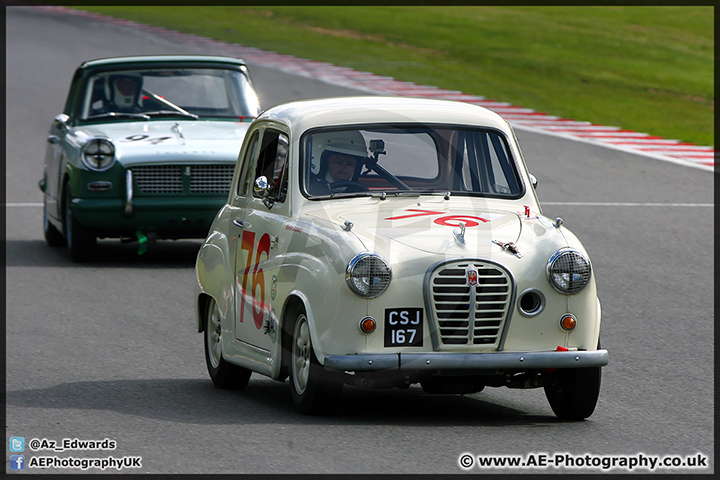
pixel 213 335
pixel 301 354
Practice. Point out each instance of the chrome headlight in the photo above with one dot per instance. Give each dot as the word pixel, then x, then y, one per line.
pixel 98 153
pixel 368 275
pixel 568 271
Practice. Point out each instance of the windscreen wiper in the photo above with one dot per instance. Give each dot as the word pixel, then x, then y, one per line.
pixel 171 113
pixel 435 193
pixel 118 115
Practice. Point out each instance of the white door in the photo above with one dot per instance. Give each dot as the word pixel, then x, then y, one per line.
pixel 258 227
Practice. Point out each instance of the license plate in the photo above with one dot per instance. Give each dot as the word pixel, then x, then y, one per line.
pixel 404 327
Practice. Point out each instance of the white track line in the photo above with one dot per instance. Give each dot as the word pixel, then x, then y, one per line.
pixel 628 204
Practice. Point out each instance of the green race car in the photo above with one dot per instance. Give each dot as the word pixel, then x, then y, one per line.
pixel 145 148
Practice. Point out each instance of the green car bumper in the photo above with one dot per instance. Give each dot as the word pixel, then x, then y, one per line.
pixel 185 217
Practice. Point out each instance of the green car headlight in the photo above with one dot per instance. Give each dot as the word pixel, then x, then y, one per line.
pixel 98 153
pixel 368 275
pixel 568 271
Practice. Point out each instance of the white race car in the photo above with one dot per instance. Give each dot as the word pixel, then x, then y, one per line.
pixel 386 241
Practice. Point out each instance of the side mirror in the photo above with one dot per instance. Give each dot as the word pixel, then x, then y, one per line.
pixel 261 187
pixel 262 190
pixel 60 121
pixel 533 181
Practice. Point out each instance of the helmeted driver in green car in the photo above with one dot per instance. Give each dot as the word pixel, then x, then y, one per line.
pixel 121 94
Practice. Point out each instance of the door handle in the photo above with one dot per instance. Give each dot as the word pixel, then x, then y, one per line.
pixel 239 223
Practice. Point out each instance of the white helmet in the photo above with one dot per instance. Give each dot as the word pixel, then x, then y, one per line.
pixel 348 142
pixel 125 91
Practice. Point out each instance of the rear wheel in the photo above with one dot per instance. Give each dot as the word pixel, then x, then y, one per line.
pixel 80 240
pixel 222 373
pixel 313 390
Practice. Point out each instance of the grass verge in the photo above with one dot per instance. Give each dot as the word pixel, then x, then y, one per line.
pixel 647 69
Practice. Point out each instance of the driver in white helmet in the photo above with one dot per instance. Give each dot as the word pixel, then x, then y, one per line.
pixel 341 167
pixel 341 155
pixel 125 93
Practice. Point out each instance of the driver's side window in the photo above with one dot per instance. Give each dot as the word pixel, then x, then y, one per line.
pixel 96 102
pixel 246 162
pixel 272 163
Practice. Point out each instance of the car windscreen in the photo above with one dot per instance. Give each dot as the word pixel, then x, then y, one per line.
pixel 190 92
pixel 407 160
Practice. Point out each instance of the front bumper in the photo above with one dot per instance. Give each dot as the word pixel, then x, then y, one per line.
pixel 467 362
pixel 182 216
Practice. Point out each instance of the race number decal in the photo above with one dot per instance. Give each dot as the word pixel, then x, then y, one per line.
pixel 141 137
pixel 254 276
pixel 445 220
pixel 404 327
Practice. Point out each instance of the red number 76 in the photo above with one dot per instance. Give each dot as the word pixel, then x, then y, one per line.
pixel 447 220
pixel 258 277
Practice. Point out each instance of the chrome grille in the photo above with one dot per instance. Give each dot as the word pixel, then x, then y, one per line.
pixel 158 179
pixel 470 315
pixel 211 178
pixel 170 179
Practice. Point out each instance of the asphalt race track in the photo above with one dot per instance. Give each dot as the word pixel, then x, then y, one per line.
pixel 109 350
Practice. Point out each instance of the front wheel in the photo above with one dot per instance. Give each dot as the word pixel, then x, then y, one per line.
pixel 313 391
pixel 573 392
pixel 81 242
pixel 222 373
pixel 53 237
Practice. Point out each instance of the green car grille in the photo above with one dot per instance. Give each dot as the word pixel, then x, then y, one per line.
pixel 183 179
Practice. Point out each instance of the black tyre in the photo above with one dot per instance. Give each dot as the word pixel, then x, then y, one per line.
pixel 53 236
pixel 222 373
pixel 313 390
pixel 80 241
pixel 573 392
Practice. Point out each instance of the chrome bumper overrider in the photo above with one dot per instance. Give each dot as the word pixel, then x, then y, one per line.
pixel 128 210
pixel 466 361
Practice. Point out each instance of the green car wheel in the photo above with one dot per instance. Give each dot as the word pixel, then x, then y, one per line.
pixel 53 237
pixel 80 241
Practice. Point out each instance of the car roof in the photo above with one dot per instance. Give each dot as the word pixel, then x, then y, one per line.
pixel 305 114
pixel 154 59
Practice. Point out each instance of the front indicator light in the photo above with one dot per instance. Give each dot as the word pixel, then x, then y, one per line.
pixel 568 322
pixel 99 186
pixel 368 325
